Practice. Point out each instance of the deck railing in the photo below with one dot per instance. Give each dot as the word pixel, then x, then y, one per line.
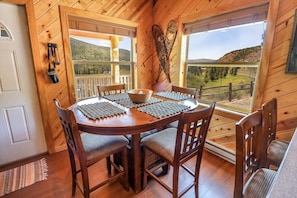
pixel 86 86
pixel 226 91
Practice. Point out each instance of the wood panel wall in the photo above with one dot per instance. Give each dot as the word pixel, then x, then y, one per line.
pixel 45 26
pixel 274 82
pixel 279 84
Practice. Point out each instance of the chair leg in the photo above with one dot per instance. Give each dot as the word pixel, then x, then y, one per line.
pixel 85 181
pixel 125 166
pixel 73 181
pixel 197 173
pixel 175 182
pixel 145 166
pixel 197 189
pixel 108 164
pixel 87 195
pixel 73 171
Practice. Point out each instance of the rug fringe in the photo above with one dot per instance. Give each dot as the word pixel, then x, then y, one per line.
pixel 45 167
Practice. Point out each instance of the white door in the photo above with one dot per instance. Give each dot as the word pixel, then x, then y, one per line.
pixel 21 129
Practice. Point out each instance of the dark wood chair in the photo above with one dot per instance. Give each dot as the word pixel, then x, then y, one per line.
pixel 252 179
pixel 176 146
pixel 88 149
pixel 104 90
pixel 192 92
pixel 276 149
pixel 185 91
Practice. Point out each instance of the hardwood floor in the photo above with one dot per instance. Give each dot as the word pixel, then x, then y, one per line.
pixel 216 181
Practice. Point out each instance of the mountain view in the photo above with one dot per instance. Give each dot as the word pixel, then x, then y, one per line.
pixel 197 76
pixel 251 55
pixel 85 51
pixel 81 50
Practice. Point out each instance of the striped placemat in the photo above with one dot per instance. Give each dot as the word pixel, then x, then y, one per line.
pixel 100 110
pixel 163 109
pixel 173 95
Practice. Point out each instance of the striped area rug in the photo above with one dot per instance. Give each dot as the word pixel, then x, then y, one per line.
pixel 22 176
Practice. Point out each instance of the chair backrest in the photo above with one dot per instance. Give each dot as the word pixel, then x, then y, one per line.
pixel 270 119
pixel 104 90
pixel 191 134
pixel 249 149
pixel 184 90
pixel 71 132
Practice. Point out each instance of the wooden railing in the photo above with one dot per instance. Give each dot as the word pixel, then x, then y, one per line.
pixel 86 86
pixel 229 90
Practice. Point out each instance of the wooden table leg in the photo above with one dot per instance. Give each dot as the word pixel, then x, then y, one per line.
pixel 136 161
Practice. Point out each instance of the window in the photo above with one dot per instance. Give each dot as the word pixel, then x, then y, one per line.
pixel 223 56
pixel 4 32
pixel 102 54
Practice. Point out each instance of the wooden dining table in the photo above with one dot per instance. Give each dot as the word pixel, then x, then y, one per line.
pixel 131 121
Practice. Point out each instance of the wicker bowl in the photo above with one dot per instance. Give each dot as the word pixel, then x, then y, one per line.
pixel 140 95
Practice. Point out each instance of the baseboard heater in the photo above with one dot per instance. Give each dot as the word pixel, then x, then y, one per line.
pixel 220 152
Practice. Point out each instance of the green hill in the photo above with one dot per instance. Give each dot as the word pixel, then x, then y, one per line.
pixel 250 55
pixel 85 51
pixel 81 50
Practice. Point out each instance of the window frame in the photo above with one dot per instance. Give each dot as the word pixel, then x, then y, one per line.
pixel 261 76
pixel 94 79
pixel 92 18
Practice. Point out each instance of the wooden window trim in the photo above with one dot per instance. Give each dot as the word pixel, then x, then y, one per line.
pixel 243 16
pixel 79 23
pixel 65 14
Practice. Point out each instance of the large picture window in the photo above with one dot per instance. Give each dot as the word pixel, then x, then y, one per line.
pixel 102 54
pixel 223 55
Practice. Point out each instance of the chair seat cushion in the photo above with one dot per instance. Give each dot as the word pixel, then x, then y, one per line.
pixel 276 151
pixel 162 143
pixel 101 145
pixel 259 183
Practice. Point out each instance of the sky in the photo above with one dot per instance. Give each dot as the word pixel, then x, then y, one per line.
pixel 211 44
pixel 214 44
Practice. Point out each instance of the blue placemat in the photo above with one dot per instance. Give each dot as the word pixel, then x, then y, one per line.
pixel 100 110
pixel 173 95
pixel 163 109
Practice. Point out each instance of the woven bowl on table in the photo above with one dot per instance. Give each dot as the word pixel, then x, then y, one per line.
pixel 140 95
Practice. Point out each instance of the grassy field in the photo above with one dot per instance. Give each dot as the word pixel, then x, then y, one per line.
pixel 221 95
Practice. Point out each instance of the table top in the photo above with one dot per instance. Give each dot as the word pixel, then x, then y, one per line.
pixel 285 181
pixel 128 121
